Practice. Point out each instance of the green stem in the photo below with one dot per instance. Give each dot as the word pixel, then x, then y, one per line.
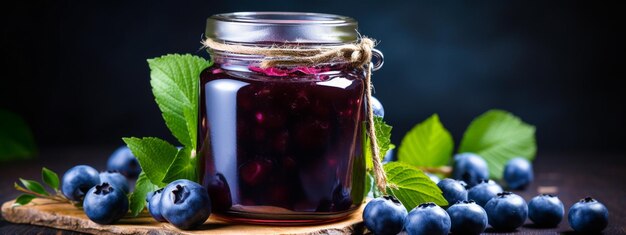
pixel 55 197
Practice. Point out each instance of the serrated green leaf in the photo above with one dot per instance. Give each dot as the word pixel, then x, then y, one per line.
pixel 16 138
pixel 50 178
pixel 428 144
pixel 411 186
pixel 154 156
pixel 23 199
pixel 138 198
pixel 499 136
pixel 383 138
pixel 183 167
pixel 33 186
pixel 175 85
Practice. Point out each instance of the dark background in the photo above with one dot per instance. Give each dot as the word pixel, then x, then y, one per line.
pixel 77 71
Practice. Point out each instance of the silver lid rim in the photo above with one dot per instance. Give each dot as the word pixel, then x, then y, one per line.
pixel 281 27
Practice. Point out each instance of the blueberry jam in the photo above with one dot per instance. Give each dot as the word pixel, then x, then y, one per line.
pixel 281 144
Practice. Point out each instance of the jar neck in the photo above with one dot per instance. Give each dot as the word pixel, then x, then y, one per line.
pixel 235 62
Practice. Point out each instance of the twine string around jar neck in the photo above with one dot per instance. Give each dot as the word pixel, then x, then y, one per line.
pixel 358 54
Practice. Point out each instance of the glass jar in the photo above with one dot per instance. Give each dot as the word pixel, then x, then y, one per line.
pixel 281 144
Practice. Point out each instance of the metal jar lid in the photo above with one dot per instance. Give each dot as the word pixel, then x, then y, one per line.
pixel 281 27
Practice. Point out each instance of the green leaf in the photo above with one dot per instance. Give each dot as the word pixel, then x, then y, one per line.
pixel 428 144
pixel 369 183
pixel 16 138
pixel 23 199
pixel 50 178
pixel 33 186
pixel 154 156
pixel 498 136
pixel 175 85
pixel 383 138
pixel 183 167
pixel 138 198
pixel 411 186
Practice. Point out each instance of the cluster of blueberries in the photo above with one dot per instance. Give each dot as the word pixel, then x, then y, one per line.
pixel 183 203
pixel 475 202
pixel 103 195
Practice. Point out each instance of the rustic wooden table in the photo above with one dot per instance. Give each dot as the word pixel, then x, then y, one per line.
pixel 573 176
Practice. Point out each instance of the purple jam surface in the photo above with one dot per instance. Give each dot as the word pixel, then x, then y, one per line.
pixel 281 141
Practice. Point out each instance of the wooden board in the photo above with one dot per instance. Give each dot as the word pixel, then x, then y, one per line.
pixel 49 213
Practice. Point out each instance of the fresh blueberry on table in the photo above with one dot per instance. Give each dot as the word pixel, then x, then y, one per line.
pixel 545 210
pixel 506 212
pixel 453 190
pixel 427 218
pixel 105 204
pixel 149 195
pixel 377 107
pixel 78 180
pixel 483 192
pixel 124 162
pixel 154 205
pixel 384 215
pixel 588 216
pixel 185 204
pixel 518 173
pixel 116 179
pixel 470 168
pixel 467 218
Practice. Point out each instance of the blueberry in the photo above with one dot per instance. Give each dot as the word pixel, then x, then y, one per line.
pixel 341 198
pixel 506 211
pixel 149 195
pixel 453 190
pixel 427 218
pixel 518 173
pixel 78 180
pixel 588 216
pixel 255 172
pixel 384 215
pixel 124 162
pixel 116 179
pixel 470 168
pixel 377 107
pixel 434 178
pixel 219 192
pixel 105 204
pixel 483 192
pixel 154 205
pixel 467 218
pixel 185 204
pixel 545 210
